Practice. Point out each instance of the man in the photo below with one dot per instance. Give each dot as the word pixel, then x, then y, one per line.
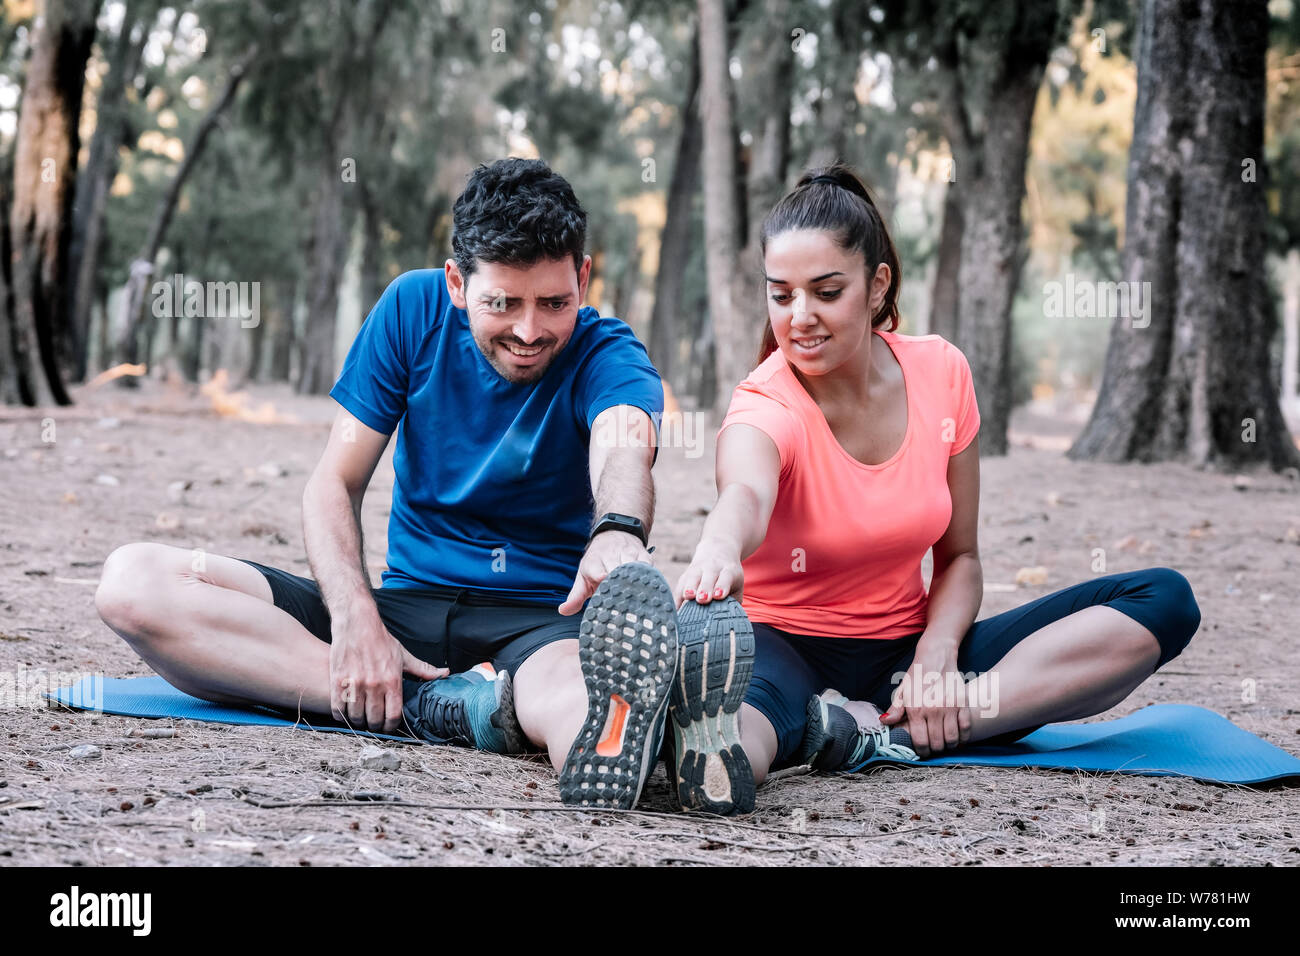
pixel 495 379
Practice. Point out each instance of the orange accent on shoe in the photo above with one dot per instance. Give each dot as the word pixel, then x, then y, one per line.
pixel 611 745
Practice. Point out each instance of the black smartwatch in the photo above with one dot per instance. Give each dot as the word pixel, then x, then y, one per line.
pixel 616 522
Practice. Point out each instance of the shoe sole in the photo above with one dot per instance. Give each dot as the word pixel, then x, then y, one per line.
pixel 815 739
pixel 505 720
pixel 628 651
pixel 711 771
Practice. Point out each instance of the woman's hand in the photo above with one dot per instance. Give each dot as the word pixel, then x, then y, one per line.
pixel 714 573
pixel 931 701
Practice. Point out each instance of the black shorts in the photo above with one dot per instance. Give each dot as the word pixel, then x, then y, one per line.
pixel 454 628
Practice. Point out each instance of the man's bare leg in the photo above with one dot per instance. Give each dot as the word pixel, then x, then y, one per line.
pixel 551 698
pixel 213 633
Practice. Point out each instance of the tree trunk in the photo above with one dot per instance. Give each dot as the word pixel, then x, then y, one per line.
pixel 989 87
pixel 381 136
pixel 281 331
pixel 141 269
pixel 195 345
pixel 104 338
pixel 629 278
pixel 989 270
pixel 331 227
pixel 437 231
pixel 351 113
pixel 944 293
pixel 252 371
pixel 675 242
pixel 769 80
pixel 721 228
pixel 176 344
pixel 1189 380
pixel 1291 331
pixel 13 385
pixel 97 177
pixel 837 113
pixel 702 380
pixel 732 221
pixel 371 282
pixel 45 163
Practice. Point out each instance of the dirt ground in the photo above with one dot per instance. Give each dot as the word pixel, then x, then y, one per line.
pixel 159 463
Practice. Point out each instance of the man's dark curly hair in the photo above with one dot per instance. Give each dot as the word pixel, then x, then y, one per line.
pixel 516 212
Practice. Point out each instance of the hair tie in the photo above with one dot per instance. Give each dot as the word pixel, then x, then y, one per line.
pixel 824 179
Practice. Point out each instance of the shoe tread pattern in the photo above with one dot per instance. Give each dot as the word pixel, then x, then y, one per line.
pixel 627 646
pixel 716 661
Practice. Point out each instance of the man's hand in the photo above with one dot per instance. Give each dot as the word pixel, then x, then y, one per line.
pixel 606 551
pixel 366 667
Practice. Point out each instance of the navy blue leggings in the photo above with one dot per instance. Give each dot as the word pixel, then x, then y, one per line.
pixel 790 668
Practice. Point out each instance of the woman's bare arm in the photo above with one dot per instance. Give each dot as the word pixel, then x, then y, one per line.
pixel 957 584
pixel 748 473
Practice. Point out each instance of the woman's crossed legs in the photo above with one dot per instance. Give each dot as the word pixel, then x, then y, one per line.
pixel 1067 655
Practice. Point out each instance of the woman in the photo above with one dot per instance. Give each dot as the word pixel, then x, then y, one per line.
pixel 848 453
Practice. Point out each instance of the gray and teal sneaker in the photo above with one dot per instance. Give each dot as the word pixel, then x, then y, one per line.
pixel 475 709
pixel 708 769
pixel 832 740
pixel 627 647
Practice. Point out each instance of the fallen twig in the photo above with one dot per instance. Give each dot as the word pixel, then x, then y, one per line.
pixel 265 804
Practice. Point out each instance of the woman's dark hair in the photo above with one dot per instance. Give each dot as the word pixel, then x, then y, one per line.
pixel 516 212
pixel 833 198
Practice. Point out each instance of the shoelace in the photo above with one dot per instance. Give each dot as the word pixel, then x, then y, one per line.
pixel 875 742
pixel 445 717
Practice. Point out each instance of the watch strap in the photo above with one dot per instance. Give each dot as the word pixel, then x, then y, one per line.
pixel 612 521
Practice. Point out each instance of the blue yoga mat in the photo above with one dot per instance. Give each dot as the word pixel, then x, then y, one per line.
pixel 154 697
pixel 1163 740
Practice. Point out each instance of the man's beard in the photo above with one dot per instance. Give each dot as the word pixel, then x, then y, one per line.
pixel 514 374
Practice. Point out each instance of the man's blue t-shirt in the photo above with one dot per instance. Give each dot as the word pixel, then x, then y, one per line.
pixel 492 490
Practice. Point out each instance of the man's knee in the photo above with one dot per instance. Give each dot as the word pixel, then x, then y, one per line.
pixel 556 659
pixel 131 587
pixel 550 675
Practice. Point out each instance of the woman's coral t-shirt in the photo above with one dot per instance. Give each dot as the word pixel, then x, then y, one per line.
pixel 842 556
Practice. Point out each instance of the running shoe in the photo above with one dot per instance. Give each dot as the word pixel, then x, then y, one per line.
pixel 832 740
pixel 708 768
pixel 474 709
pixel 628 651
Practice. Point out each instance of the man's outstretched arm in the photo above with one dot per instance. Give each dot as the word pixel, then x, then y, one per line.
pixel 622 451
pixel 366 662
